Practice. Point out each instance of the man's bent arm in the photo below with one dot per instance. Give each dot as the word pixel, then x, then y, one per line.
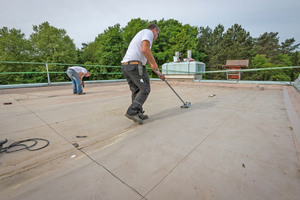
pixel 150 58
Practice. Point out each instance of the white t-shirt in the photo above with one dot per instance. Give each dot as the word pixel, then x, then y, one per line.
pixel 78 69
pixel 134 51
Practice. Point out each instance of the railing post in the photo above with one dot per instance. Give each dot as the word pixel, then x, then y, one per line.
pixel 48 74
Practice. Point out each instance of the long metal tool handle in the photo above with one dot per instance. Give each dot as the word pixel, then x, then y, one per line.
pixel 174 91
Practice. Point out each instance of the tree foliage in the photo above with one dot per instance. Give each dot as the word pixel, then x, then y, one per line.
pixel 211 46
pixel 109 50
pixel 13 47
pixel 267 44
pixel 52 45
pixel 288 46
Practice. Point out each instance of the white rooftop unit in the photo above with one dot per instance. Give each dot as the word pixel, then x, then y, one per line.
pixel 194 68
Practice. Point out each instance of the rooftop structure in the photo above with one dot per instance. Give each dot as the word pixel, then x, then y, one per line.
pixel 235 66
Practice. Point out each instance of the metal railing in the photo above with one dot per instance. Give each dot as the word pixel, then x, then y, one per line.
pixel 95 70
pixel 101 70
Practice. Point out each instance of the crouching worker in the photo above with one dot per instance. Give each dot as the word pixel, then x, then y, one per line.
pixel 76 74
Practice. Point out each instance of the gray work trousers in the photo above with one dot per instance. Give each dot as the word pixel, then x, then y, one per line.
pixel 139 86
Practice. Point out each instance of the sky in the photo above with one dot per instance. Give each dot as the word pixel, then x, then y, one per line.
pixel 83 20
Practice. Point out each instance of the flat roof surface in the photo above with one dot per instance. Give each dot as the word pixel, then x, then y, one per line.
pixel 236 141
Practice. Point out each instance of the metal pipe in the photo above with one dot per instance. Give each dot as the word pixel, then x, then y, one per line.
pixel 48 74
pixel 174 91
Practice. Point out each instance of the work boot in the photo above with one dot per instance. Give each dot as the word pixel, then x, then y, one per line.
pixel 142 116
pixel 135 118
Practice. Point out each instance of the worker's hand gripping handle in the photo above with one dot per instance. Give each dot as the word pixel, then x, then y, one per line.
pixel 159 74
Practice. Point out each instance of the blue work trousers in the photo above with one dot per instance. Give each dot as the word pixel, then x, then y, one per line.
pixel 75 81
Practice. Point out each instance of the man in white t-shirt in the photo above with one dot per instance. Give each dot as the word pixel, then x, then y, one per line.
pixel 76 74
pixel 133 68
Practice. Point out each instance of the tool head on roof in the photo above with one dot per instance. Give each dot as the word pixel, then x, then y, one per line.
pixel 185 104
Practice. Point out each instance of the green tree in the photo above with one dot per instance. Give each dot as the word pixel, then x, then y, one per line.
pixel 237 44
pixel 109 47
pixel 88 53
pixel 14 47
pixel 210 44
pixel 296 62
pixel 161 49
pixel 52 45
pixel 282 60
pixel 261 61
pixel 258 61
pixel 288 46
pixel 173 36
pixel 185 39
pixel 267 44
